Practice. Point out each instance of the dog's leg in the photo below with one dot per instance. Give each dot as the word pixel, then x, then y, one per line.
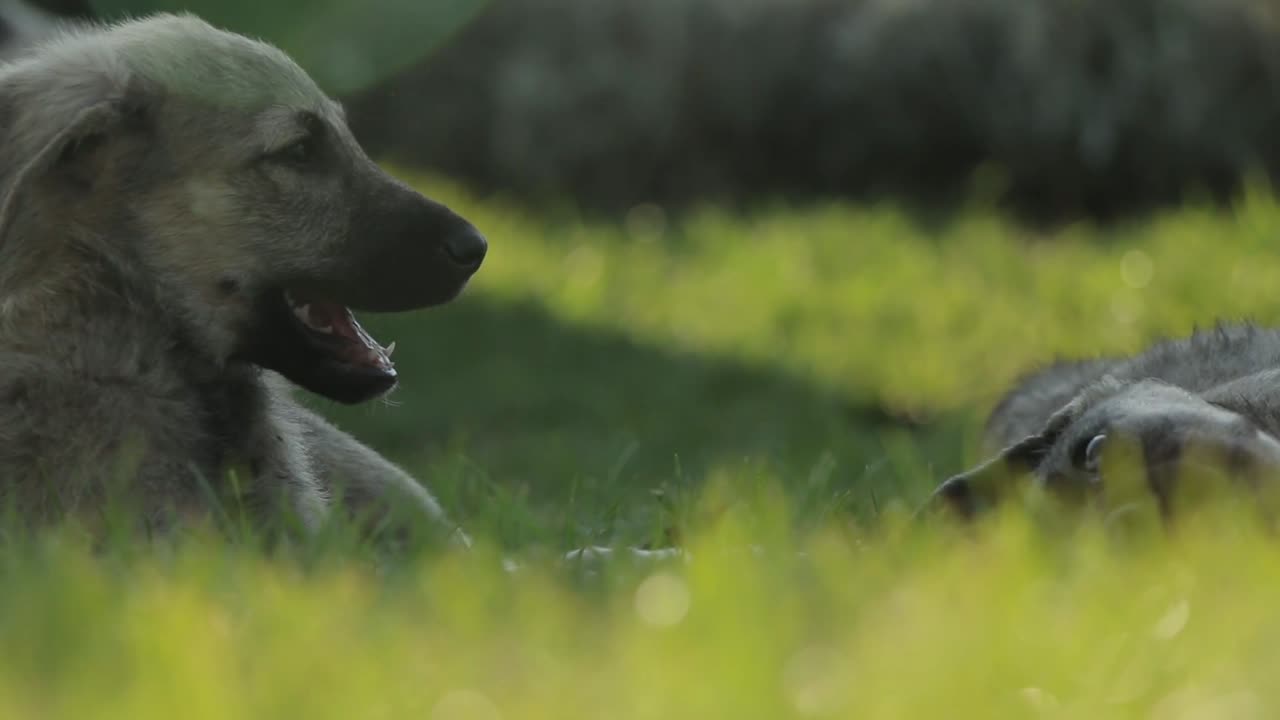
pixel 367 485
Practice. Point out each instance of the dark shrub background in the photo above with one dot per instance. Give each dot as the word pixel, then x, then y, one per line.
pixel 1070 107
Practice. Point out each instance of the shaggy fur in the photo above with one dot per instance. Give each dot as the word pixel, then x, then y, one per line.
pixel 1211 400
pixel 185 221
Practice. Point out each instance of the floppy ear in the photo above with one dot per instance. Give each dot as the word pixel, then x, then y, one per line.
pixel 71 153
pixel 70 161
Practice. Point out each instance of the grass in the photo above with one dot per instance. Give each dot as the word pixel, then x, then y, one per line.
pixel 776 392
pixel 845 352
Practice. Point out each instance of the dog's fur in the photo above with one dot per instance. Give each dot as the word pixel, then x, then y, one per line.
pixel 164 183
pixel 22 24
pixel 1213 397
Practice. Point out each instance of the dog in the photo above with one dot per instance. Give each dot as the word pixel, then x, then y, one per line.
pixel 1207 405
pixel 187 227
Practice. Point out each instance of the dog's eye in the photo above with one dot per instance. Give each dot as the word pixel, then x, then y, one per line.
pixel 1086 454
pixel 298 152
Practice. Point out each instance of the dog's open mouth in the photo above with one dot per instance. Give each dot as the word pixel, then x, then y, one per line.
pixel 319 345
pixel 332 329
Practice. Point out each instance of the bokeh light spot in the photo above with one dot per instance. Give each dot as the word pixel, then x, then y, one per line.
pixel 662 600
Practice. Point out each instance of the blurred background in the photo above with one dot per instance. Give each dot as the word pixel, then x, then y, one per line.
pixel 807 240
pixel 1069 106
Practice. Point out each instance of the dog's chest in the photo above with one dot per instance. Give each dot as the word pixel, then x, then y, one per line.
pixel 246 441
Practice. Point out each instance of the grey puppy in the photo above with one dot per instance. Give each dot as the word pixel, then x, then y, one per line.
pixel 186 225
pixel 1209 403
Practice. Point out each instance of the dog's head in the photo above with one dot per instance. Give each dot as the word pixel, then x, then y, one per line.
pixel 214 167
pixel 1157 434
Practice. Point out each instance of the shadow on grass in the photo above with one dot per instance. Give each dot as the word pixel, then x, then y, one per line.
pixel 533 428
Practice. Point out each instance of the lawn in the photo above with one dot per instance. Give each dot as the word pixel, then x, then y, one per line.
pixel 595 374
pixel 775 391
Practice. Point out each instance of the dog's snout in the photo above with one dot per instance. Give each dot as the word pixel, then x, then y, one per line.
pixel 466 248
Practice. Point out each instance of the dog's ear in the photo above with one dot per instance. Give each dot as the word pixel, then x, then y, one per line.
pixel 78 154
pixel 74 159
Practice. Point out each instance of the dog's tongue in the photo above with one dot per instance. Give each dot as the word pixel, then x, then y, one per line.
pixel 359 348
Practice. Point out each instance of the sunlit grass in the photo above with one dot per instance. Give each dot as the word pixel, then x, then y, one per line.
pixel 726 382
pixel 592 362
pixel 872 304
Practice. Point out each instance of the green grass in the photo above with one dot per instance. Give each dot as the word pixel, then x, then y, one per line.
pixel 846 352
pixel 775 391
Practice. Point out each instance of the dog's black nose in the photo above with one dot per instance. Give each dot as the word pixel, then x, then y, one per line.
pixel 466 248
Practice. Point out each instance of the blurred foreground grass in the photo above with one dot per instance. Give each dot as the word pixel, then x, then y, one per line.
pixel 898 623
pixel 768 376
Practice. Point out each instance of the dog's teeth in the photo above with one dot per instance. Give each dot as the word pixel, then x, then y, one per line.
pixel 303 312
pixel 389 349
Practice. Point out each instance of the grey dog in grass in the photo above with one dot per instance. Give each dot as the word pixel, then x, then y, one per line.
pixel 1193 416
